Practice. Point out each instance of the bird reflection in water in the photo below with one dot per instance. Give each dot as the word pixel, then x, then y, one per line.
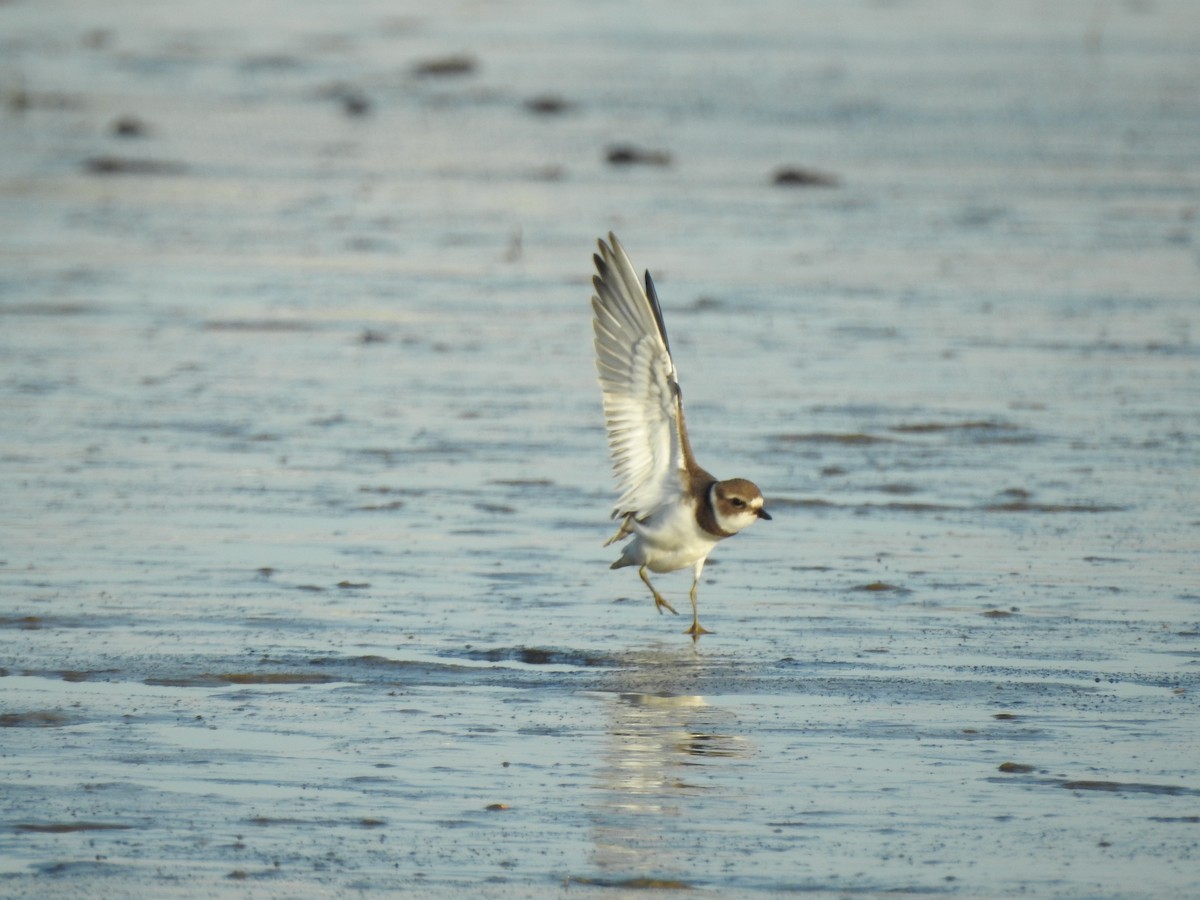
pixel 657 784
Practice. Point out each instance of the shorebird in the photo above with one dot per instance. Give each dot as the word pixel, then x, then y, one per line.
pixel 675 510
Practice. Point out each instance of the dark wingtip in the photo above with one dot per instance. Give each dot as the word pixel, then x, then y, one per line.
pixel 658 316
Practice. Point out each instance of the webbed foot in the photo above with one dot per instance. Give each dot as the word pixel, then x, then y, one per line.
pixel 696 630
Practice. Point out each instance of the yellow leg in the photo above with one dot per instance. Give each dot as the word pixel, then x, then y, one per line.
pixel 659 602
pixel 697 629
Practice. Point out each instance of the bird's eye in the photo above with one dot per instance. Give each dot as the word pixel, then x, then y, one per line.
pixel 738 502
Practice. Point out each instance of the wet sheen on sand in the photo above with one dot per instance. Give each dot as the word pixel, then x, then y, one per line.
pixel 303 478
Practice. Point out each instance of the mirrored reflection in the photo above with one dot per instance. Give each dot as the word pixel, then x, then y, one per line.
pixel 661 777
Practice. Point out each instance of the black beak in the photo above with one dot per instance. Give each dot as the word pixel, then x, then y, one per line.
pixel 763 514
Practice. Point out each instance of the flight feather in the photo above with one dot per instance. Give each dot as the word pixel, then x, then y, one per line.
pixel 643 408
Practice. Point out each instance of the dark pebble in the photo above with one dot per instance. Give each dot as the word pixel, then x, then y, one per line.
pixel 120 165
pixel 547 105
pixel 446 65
pixel 129 127
pixel 800 177
pixel 628 155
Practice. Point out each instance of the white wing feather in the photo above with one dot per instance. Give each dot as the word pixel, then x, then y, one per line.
pixel 642 406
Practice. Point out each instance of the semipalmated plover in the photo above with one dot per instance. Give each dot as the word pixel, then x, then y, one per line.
pixel 675 510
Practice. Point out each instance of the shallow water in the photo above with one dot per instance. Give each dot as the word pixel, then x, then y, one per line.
pixel 304 482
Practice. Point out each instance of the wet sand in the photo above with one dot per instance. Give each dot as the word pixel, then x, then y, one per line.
pixel 304 480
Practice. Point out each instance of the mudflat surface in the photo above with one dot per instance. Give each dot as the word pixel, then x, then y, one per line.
pixel 303 481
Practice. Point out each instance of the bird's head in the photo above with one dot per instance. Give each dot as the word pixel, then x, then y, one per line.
pixel 738 503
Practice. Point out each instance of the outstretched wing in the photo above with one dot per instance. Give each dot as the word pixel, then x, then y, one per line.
pixel 642 405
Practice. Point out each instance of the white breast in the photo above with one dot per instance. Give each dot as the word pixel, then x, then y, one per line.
pixel 672 539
